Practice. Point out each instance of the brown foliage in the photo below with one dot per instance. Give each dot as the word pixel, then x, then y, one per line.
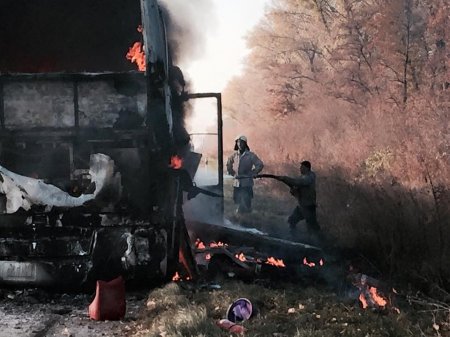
pixel 360 88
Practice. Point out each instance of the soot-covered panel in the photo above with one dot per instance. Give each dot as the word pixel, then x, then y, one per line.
pixel 67 35
pixel 29 104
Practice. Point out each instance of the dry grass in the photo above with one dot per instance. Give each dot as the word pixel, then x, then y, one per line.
pixel 174 311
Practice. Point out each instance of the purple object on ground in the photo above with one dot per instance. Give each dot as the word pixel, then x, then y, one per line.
pixel 240 310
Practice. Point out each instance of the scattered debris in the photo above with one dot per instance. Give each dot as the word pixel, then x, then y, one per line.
pixel 230 326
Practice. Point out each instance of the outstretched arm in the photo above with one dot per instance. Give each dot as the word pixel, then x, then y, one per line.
pixel 291 182
pixel 304 180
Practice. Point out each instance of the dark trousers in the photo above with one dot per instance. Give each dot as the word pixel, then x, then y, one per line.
pixel 307 213
pixel 242 197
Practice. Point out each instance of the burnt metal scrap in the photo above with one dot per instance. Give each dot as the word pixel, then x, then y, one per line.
pixel 235 236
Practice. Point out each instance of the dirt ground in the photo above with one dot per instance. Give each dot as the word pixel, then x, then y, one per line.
pixel 39 313
pixel 281 309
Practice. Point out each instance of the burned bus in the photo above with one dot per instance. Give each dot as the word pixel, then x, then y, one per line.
pixel 90 135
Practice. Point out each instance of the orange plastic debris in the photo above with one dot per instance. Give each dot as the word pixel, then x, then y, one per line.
pixel 230 326
pixel 109 302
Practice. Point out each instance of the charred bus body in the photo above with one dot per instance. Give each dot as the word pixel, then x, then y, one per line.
pixel 86 191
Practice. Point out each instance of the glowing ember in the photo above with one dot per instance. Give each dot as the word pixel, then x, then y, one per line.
pixel 176 277
pixel 199 244
pixel 241 257
pixel 218 244
pixel 309 264
pixel 275 262
pixel 312 264
pixel 176 162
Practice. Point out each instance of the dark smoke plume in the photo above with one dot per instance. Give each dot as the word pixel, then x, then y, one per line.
pixel 188 22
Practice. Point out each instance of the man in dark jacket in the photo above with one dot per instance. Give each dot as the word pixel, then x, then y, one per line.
pixel 243 165
pixel 303 188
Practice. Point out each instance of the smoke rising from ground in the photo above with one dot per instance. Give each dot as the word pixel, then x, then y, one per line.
pixel 188 22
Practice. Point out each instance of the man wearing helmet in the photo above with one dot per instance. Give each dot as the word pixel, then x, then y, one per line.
pixel 243 165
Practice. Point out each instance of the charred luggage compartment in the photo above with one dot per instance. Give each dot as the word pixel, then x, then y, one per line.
pixel 85 144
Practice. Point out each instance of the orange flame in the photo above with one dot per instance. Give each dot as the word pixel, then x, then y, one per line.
pixel 373 297
pixel 218 244
pixel 312 264
pixel 363 301
pixel 379 300
pixel 241 257
pixel 309 264
pixel 275 262
pixel 199 244
pixel 136 55
pixel 176 277
pixel 176 162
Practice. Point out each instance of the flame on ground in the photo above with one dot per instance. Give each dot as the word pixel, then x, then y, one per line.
pixel 176 162
pixel 176 277
pixel 275 262
pixel 199 244
pixel 373 297
pixel 378 299
pixel 241 257
pixel 217 244
pixel 363 301
pixel 312 264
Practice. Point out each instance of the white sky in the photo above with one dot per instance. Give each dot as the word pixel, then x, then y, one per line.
pixel 224 53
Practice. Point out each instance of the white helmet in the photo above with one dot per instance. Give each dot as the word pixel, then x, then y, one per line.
pixel 241 137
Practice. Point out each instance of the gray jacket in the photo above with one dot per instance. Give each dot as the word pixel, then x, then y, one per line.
pixel 304 188
pixel 243 167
